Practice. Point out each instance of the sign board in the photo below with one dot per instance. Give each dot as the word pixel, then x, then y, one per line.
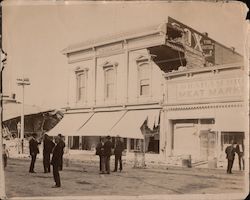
pixel 195 40
pixel 205 90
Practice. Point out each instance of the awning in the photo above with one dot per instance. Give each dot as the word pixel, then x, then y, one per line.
pixel 70 123
pixel 101 123
pixel 130 125
pixel 13 110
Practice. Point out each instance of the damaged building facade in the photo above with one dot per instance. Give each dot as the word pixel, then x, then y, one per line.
pixel 166 89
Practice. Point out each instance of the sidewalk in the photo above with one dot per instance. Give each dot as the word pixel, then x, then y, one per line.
pixel 151 160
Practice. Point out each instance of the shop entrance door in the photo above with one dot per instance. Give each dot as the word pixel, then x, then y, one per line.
pixel 207 144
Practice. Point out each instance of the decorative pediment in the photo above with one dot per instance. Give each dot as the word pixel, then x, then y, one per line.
pixel 108 64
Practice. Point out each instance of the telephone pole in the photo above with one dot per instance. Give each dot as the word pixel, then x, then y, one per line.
pixel 22 82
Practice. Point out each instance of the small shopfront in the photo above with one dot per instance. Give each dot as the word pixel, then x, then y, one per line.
pixel 204 112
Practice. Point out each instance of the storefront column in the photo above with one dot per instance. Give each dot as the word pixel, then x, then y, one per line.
pixel 66 144
pixel 169 138
pixel 163 142
pixel 219 147
pixel 128 145
pixel 80 142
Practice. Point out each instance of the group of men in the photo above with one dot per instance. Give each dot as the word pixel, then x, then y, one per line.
pixel 49 147
pixel 105 148
pixel 230 152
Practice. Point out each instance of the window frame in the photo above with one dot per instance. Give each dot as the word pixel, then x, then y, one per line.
pixel 141 62
pixel 107 66
pixel 79 72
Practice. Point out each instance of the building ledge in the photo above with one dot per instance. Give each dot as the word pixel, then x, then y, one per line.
pixel 214 69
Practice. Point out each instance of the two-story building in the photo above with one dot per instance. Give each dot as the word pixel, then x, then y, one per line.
pixel 166 89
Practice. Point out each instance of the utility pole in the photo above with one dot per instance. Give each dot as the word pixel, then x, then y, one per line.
pixel 3 60
pixel 22 82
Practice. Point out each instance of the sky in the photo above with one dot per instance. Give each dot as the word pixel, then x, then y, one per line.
pixel 35 34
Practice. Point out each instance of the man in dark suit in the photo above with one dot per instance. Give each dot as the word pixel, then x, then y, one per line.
pixel 230 151
pixel 100 153
pixel 33 146
pixel 56 161
pixel 240 151
pixel 48 146
pixel 62 145
pixel 119 148
pixel 107 153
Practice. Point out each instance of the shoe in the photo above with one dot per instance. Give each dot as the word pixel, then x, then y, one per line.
pixel 114 171
pixel 102 173
pixel 120 170
pixel 108 172
pixel 32 172
pixel 55 186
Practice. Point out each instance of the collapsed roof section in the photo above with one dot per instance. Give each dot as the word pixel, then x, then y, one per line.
pixel 187 48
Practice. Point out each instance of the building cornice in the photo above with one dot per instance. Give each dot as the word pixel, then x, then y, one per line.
pixel 110 108
pixel 205 106
pixel 120 37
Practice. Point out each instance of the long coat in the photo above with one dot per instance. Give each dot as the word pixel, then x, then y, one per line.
pixel 48 146
pixel 119 148
pixel 230 151
pixel 107 148
pixel 33 146
pixel 57 155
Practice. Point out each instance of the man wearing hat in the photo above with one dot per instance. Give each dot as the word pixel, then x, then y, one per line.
pixel 230 152
pixel 33 146
pixel 48 146
pixel 119 148
pixel 62 146
pixel 56 162
pixel 107 153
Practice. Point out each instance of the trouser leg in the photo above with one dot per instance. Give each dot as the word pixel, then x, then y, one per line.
pixel 103 163
pixel 230 165
pixel 5 161
pixel 56 175
pixel 116 162
pixel 120 160
pixel 100 163
pixel 32 164
pixel 239 156
pixel 108 164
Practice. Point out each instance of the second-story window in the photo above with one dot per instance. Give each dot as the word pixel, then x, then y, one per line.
pixel 144 74
pixel 110 80
pixel 109 83
pixel 81 84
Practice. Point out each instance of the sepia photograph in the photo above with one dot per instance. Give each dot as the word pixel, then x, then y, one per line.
pixel 123 100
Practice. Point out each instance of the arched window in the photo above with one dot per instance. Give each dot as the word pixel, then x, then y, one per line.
pixel 144 76
pixel 110 80
pixel 81 85
pixel 109 83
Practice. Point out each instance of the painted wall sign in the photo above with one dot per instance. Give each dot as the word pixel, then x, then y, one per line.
pixel 204 90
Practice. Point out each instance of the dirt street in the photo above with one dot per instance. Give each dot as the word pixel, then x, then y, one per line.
pixel 84 180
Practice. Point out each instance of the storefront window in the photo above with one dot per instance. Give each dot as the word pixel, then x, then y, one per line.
pixel 74 142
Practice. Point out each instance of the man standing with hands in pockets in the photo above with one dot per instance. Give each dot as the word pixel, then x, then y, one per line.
pixel 56 161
